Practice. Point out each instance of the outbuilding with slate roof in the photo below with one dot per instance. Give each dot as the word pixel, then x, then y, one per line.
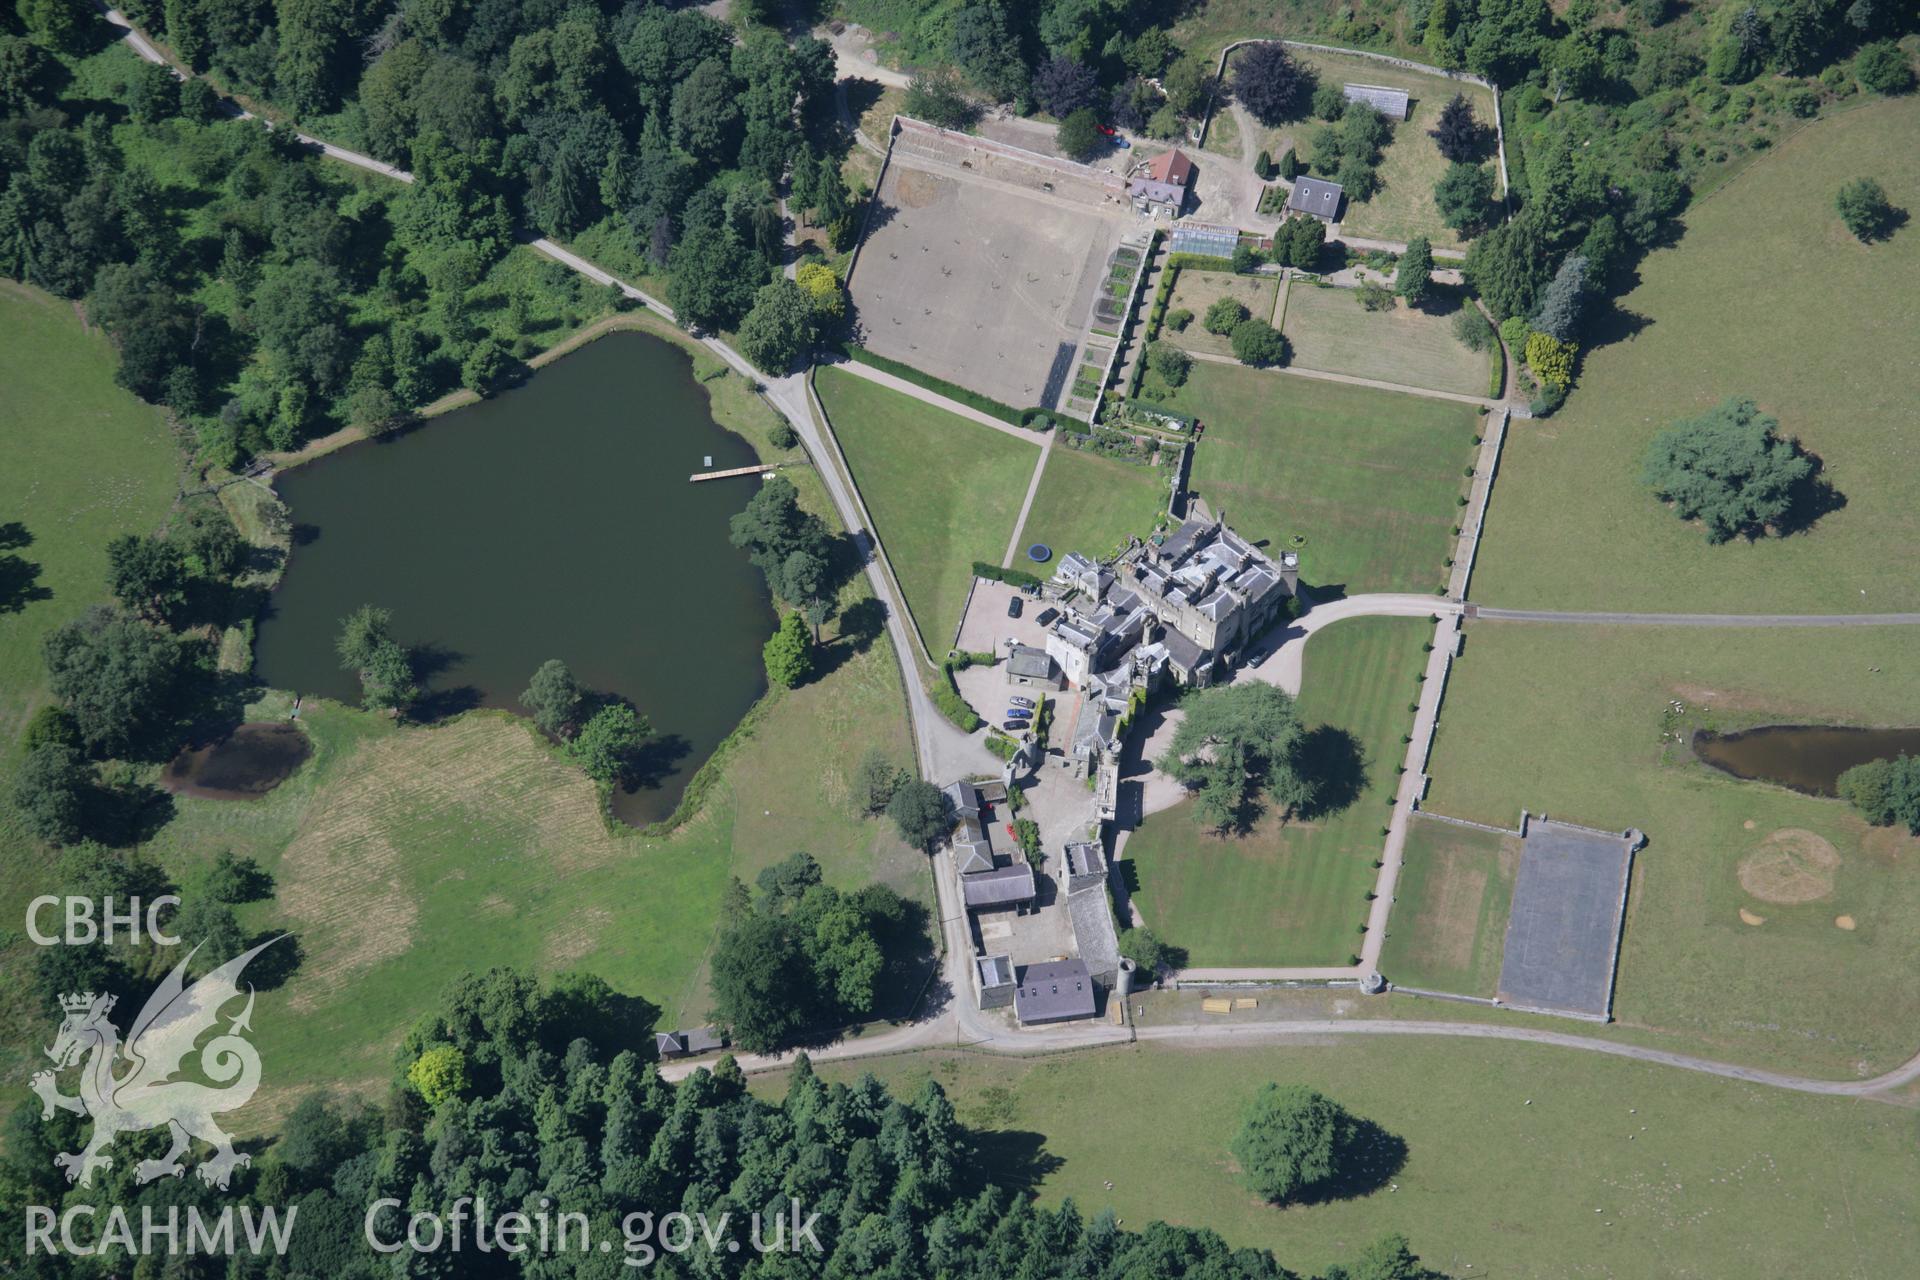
pixel 1315 197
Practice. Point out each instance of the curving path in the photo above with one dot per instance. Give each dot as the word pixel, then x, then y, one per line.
pixel 942 1032
pixel 941 749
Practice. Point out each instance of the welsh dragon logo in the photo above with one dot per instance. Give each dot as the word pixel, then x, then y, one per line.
pixel 129 1087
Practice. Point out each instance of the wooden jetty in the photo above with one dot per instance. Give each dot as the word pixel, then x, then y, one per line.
pixel 754 470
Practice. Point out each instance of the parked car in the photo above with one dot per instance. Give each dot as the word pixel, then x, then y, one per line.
pixel 1019 701
pixel 1019 714
pixel 1015 607
pixel 1047 616
pixel 1016 726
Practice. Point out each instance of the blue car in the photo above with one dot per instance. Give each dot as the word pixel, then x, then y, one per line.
pixel 1019 713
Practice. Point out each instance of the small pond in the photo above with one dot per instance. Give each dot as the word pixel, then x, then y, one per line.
pixel 554 521
pixel 1805 757
pixel 249 762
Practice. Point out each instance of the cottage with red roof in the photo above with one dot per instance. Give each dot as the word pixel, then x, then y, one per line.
pixel 1160 187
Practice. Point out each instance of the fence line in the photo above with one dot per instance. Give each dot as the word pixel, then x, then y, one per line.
pixel 1422 993
pixel 1466 822
pixel 873 534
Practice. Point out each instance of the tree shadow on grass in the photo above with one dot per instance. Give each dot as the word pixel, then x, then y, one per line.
pixel 1368 1159
pixel 861 95
pixel 1811 499
pixel 20 583
pixel 279 962
pixel 122 813
pixel 1613 323
pixel 1336 763
pixel 1015 1160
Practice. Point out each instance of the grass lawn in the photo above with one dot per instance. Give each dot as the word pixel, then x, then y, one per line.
pixel 403 857
pixel 1090 503
pixel 1369 477
pixel 1198 290
pixel 1768 296
pixel 944 491
pixel 1223 133
pixel 1694 1176
pixel 1293 892
pixel 84 461
pixel 1577 722
pixel 1449 924
pixel 1415 347
pixel 1410 164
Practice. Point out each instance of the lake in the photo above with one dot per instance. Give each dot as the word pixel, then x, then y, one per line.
pixel 553 521
pixel 1805 757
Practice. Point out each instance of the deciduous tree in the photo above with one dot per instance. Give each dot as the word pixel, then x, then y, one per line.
pixel 555 696
pixel 922 812
pixel 117 677
pixel 146 574
pixel 1885 792
pixel 1079 136
pixel 789 653
pixel 1413 279
pixel 1258 343
pixel 1270 83
pixel 50 793
pixel 1865 209
pixel 1727 468
pixel 1288 1141
pixel 1236 744
pixel 1223 314
pixel 780 328
pixel 609 742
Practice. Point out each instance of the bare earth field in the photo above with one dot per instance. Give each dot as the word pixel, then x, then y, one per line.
pixel 977 281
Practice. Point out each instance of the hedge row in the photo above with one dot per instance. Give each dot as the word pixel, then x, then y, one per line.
pixel 920 378
pixel 1199 261
pixel 1013 577
pixel 946 696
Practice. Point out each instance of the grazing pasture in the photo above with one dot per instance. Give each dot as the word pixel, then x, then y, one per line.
pixel 1766 296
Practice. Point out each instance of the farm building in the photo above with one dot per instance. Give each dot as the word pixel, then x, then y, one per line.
pixel 1161 185
pixel 685 1044
pixel 1057 991
pixel 1000 889
pixel 1315 197
pixel 995 974
pixel 1391 103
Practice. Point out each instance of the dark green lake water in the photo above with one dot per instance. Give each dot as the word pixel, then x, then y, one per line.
pixel 554 521
pixel 1805 757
